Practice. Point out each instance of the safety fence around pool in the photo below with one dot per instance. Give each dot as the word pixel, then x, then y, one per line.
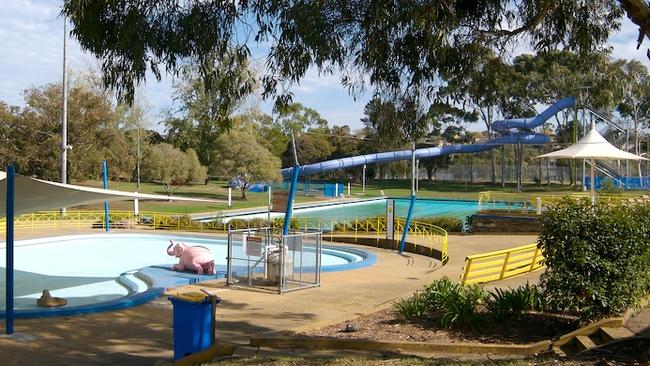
pixel 420 235
pixel 502 264
pixel 537 201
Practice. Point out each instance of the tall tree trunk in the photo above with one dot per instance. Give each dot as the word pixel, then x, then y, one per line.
pixel 503 166
pixel 516 162
pixel 518 169
pixel 471 169
pixel 548 171
pixel 493 173
pixel 539 170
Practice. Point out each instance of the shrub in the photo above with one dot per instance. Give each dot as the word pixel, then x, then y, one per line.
pixel 504 304
pixel 456 304
pixel 259 222
pixel 450 224
pixel 607 186
pixel 459 308
pixel 413 307
pixel 468 224
pixel 597 257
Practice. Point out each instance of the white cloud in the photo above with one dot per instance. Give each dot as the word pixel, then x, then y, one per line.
pixel 624 43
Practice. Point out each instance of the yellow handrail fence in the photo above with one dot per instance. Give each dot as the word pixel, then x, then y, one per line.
pixel 422 234
pixel 532 200
pixel 498 265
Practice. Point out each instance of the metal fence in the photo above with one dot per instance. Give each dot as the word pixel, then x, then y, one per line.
pixel 309 188
pixel 267 260
pixel 498 265
pixel 482 173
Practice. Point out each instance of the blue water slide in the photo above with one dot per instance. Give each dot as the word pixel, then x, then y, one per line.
pixel 353 161
pixel 532 122
pixel 505 126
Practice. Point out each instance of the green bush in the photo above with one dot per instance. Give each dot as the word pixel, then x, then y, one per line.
pixel 460 308
pixel 237 224
pixel 456 304
pixel 597 257
pixel 607 186
pixel 413 307
pixel 450 224
pixel 512 303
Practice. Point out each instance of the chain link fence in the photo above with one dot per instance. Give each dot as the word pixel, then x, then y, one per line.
pixel 267 260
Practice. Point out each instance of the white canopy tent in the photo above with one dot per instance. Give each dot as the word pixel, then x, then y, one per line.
pixel 39 195
pixel 592 146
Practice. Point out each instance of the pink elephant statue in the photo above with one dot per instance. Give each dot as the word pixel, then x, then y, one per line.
pixel 194 258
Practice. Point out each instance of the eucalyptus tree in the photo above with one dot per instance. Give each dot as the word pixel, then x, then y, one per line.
pixel 550 76
pixel 399 49
pixel 172 167
pixel 486 89
pixel 207 93
pixel 238 154
pixel 94 134
pixel 296 118
pixel 635 98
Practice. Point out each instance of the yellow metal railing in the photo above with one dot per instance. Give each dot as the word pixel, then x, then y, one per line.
pixel 494 266
pixel 531 201
pixel 420 234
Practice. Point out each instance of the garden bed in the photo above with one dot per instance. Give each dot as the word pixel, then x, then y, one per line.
pixel 389 325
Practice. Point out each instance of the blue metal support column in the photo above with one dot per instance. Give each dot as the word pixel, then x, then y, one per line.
pixel 106 217
pixel 292 193
pixel 407 224
pixel 9 292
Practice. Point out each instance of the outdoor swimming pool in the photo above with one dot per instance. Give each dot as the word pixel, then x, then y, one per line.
pixel 325 215
pixel 423 208
pixel 110 271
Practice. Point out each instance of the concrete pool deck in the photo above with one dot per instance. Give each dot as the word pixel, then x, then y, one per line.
pixel 143 335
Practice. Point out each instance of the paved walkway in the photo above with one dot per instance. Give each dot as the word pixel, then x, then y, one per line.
pixel 143 335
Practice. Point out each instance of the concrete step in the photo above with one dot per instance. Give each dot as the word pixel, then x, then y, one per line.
pixel 584 342
pixel 609 334
pixel 559 351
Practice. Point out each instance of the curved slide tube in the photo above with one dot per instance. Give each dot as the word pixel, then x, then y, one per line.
pixel 503 126
pixel 353 161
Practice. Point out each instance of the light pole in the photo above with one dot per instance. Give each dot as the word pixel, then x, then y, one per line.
pixel 64 119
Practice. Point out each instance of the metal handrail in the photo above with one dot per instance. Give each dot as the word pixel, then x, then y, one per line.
pixel 501 264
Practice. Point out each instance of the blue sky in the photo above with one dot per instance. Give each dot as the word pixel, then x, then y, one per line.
pixel 31 39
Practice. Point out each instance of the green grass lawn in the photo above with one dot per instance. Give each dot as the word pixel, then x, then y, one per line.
pixel 453 190
pixel 216 190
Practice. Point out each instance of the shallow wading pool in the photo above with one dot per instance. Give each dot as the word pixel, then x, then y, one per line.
pixel 110 271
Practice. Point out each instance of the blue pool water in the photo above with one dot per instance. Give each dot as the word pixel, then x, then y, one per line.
pixel 114 268
pixel 325 215
pixel 423 208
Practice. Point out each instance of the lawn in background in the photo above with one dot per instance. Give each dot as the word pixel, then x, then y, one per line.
pixel 216 190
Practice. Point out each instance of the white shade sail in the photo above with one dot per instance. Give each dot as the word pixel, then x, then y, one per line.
pixel 33 195
pixel 592 146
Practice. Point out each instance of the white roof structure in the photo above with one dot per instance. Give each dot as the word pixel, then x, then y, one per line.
pixel 592 146
pixel 33 195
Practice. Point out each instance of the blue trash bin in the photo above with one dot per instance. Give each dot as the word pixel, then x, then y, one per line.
pixel 193 323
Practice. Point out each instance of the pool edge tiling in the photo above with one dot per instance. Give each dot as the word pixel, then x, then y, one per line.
pixel 158 277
